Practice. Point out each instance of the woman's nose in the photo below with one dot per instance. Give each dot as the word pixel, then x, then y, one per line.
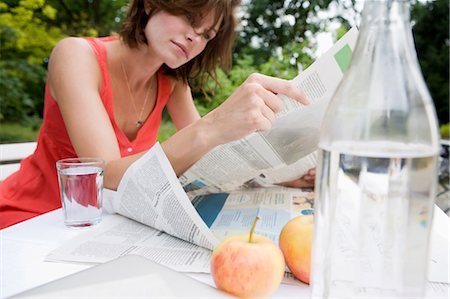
pixel 193 34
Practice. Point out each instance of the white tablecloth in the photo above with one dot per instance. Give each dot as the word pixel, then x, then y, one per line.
pixel 24 246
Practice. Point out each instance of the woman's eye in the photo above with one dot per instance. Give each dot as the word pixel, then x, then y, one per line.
pixel 190 18
pixel 207 35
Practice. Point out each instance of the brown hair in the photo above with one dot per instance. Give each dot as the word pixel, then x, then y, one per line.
pixel 218 51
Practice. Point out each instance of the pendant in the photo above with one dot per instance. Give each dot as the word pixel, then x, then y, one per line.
pixel 139 123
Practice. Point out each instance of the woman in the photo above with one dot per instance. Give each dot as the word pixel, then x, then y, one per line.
pixel 104 98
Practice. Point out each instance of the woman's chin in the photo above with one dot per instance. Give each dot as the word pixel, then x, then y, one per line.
pixel 175 62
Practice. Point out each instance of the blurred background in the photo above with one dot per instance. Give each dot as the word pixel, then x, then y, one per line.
pixel 276 37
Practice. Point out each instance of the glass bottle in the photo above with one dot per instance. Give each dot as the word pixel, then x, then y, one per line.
pixel 377 170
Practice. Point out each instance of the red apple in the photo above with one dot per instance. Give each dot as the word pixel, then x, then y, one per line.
pixel 248 265
pixel 295 243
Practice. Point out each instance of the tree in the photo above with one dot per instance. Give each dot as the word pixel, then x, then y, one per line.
pixel 89 17
pixel 271 24
pixel 432 42
pixel 29 29
pixel 26 40
pixel 282 29
pixel 25 33
pixel 210 96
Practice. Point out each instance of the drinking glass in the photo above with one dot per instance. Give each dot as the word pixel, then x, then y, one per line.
pixel 81 186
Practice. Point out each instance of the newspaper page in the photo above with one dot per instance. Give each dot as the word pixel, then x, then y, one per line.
pixel 276 155
pixel 224 214
pixel 150 193
pixel 233 213
pixel 117 236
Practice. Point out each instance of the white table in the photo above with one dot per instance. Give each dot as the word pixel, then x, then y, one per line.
pixel 24 246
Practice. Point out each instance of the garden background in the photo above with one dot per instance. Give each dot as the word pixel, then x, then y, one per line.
pixel 276 37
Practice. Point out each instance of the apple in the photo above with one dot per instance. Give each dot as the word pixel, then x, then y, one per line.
pixel 247 265
pixel 295 242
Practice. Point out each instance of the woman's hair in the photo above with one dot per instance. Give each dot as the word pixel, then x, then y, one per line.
pixel 218 51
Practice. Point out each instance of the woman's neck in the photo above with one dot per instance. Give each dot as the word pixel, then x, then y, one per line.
pixel 139 63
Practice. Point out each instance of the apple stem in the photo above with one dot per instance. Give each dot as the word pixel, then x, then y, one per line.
pixel 253 229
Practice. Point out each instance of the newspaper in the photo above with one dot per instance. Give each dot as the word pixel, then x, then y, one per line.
pixel 286 151
pixel 160 222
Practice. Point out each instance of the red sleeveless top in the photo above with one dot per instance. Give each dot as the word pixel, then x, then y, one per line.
pixel 33 189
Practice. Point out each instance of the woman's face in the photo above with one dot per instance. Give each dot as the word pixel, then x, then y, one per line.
pixel 175 40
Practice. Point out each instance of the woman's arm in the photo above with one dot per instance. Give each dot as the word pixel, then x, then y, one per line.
pixel 75 80
pixel 181 106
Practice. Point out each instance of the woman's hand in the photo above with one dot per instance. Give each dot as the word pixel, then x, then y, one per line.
pixel 306 181
pixel 251 108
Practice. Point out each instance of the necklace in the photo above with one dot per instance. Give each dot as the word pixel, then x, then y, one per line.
pixel 140 121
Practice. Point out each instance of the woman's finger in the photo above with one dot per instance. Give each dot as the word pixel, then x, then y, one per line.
pixel 308 178
pixel 271 100
pixel 312 171
pixel 279 86
pixel 298 183
pixel 268 114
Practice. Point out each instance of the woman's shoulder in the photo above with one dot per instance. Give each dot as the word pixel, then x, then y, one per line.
pixel 73 58
pixel 72 44
pixel 70 49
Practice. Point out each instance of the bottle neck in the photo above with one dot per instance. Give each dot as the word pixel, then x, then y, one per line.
pixel 383 95
pixel 385 13
pixel 386 28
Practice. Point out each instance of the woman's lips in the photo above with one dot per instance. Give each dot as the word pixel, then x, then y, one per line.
pixel 182 49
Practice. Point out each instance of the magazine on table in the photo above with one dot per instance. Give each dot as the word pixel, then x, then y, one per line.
pixel 178 221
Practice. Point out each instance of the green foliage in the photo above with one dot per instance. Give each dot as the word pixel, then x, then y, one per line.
pixel 279 65
pixel 26 40
pixel 341 31
pixel 432 42
pixel 89 17
pixel 166 129
pixel 272 24
pixel 25 32
pixel 22 96
pixel 445 131
pixel 210 96
pixel 288 61
pixel 13 132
